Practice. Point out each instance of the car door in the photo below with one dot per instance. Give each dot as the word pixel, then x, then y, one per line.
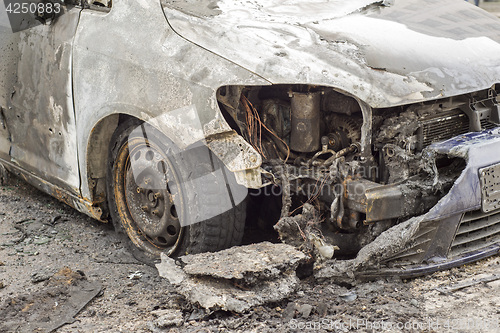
pixel 8 68
pixel 37 120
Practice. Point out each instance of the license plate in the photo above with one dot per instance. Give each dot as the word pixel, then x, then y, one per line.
pixel 490 187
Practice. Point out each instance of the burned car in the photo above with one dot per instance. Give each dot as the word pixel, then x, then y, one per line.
pixel 380 118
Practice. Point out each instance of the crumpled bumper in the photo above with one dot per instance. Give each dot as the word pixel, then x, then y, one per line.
pixel 453 232
pixel 464 226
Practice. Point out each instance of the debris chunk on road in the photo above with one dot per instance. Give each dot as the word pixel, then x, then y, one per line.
pixel 235 279
pixel 249 263
pixel 135 275
pixel 305 310
pixel 170 270
pixel 42 275
pixel 168 317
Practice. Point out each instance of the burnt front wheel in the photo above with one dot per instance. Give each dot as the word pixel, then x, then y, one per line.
pixel 167 200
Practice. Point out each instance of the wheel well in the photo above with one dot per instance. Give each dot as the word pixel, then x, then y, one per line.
pixel 98 155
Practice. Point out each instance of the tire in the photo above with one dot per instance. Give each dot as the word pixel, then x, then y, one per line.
pixel 167 200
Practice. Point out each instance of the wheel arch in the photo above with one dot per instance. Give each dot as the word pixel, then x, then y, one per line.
pixel 97 156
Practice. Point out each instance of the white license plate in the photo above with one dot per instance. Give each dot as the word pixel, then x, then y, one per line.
pixel 490 187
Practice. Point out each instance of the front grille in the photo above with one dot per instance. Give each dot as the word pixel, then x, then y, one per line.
pixel 442 127
pixel 476 231
pixel 486 124
pixel 419 244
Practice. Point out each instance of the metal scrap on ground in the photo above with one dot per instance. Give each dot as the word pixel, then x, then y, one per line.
pixel 468 283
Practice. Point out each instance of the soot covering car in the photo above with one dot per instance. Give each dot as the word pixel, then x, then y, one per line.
pixel 161 115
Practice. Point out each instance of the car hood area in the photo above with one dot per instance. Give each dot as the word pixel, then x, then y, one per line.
pixel 385 53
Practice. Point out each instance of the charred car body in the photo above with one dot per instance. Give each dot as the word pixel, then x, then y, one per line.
pixel 382 114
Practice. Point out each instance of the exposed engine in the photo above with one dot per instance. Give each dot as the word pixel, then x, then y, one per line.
pixel 363 169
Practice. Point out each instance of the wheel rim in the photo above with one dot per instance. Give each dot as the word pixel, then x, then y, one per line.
pixel 144 175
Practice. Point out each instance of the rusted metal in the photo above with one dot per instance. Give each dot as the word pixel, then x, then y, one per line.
pixel 382 202
pixel 142 196
pixel 324 149
pixel 62 195
pixel 305 122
